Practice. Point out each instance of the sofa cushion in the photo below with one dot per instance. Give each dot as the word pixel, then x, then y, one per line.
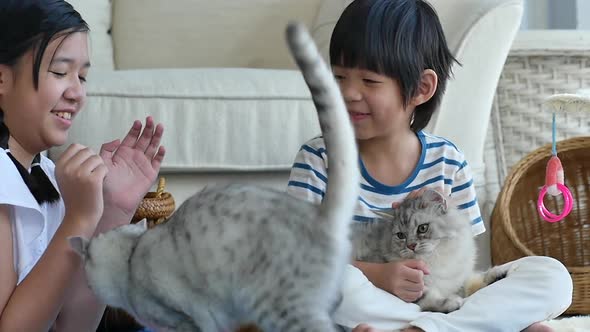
pixel 215 119
pixel 97 13
pixel 205 33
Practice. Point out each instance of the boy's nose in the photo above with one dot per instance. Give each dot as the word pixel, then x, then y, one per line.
pixel 350 92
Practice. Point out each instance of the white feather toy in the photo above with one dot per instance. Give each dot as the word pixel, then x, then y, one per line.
pixel 568 103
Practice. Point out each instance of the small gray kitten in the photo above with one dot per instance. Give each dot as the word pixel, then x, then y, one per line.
pixel 425 228
pixel 237 254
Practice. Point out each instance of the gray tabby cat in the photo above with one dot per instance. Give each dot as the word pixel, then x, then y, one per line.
pixel 425 228
pixel 238 254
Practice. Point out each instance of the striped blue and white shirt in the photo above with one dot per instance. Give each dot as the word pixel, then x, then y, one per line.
pixel 441 166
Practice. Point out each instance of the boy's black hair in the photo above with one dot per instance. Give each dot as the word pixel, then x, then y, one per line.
pixel 396 38
pixel 31 25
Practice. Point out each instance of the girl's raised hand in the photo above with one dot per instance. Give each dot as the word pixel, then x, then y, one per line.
pixel 80 174
pixel 133 166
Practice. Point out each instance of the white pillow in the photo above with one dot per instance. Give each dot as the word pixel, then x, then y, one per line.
pixel 97 13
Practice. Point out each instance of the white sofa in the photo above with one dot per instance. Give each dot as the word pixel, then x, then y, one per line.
pixel 219 76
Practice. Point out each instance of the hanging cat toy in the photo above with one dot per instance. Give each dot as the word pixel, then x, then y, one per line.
pixel 554 176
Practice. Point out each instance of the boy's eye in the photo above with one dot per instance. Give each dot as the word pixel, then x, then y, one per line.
pixel 422 228
pixel 338 77
pixel 82 78
pixel 370 81
pixel 401 235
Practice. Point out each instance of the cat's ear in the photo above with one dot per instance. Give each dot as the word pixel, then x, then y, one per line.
pixel 143 224
pixel 79 245
pixel 383 214
pixel 434 196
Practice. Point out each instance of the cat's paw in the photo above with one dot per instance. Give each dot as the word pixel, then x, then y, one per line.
pixel 451 304
pixel 496 273
pixel 438 304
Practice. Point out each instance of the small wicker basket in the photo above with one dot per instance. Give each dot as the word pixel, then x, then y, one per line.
pixel 156 206
pixel 518 230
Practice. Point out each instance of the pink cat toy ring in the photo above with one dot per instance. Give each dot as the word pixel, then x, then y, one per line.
pixel 554 180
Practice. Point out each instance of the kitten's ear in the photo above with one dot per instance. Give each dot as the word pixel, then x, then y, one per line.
pixel 79 245
pixel 433 196
pixel 383 214
pixel 143 224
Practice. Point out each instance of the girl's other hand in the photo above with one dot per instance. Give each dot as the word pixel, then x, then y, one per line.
pixel 80 174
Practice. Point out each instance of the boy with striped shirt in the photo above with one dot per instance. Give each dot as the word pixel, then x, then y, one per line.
pixel 392 63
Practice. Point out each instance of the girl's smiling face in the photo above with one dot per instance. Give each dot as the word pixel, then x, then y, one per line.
pixel 40 118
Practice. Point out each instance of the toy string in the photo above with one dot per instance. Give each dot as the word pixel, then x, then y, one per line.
pixel 554 144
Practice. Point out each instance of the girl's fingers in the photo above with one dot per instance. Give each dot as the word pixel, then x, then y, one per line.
pixel 155 142
pixel 132 135
pixel 158 158
pixel 76 160
pixel 107 149
pixel 69 153
pixel 89 165
pixel 100 172
pixel 146 135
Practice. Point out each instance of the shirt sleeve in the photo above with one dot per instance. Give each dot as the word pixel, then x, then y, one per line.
pixel 308 178
pixel 463 195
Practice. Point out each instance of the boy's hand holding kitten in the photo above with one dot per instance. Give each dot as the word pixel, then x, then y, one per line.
pixel 404 279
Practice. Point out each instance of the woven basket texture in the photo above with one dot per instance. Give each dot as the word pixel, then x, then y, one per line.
pixel 518 230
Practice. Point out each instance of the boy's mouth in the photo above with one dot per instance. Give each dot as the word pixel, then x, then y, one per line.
pixel 358 116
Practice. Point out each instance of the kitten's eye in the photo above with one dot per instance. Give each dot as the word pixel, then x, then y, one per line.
pixel 423 228
pixel 401 235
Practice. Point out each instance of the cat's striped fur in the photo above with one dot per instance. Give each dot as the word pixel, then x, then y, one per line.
pixel 238 254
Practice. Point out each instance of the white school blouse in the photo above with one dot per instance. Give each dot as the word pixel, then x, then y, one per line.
pixel 33 226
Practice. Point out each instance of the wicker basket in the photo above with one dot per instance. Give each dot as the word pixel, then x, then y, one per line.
pixel 156 206
pixel 518 230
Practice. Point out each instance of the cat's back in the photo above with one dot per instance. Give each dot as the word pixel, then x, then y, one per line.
pixel 244 202
pixel 245 217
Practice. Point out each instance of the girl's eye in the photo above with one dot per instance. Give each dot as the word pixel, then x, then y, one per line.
pixel 423 228
pixel 338 77
pixel 401 235
pixel 58 73
pixel 82 79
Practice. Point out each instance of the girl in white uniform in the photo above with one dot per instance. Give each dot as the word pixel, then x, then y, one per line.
pixel 43 68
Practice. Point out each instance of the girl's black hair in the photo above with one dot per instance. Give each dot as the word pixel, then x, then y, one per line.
pixel 31 25
pixel 396 38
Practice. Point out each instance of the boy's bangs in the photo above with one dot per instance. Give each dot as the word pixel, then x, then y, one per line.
pixel 358 49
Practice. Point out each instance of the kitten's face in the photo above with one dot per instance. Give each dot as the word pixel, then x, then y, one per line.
pixel 416 234
pixel 418 225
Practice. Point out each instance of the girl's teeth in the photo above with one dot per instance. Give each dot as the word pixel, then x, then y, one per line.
pixel 64 115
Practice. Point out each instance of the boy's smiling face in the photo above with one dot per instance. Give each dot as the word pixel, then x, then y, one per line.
pixel 374 102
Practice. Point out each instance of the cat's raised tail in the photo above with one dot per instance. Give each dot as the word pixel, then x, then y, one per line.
pixel 343 187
